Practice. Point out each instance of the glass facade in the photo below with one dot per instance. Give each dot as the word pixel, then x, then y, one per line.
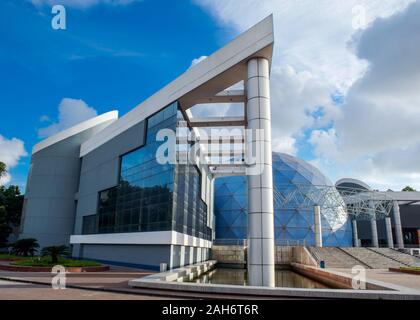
pixel 293 223
pixel 190 215
pixel 152 196
pixel 146 187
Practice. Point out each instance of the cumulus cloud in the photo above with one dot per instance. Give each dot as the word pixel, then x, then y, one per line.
pixel 197 60
pixel 11 151
pixel 312 57
pixel 319 54
pixel 377 130
pixel 310 35
pixel 295 97
pixel 70 113
pixel 81 4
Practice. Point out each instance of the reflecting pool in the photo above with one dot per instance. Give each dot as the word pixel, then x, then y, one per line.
pixel 284 278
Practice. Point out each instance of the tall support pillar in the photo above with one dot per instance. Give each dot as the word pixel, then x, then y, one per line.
pixel 389 237
pixel 373 225
pixel 317 226
pixel 397 226
pixel 261 246
pixel 355 233
pixel 374 231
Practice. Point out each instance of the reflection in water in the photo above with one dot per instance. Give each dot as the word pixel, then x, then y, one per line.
pixel 284 278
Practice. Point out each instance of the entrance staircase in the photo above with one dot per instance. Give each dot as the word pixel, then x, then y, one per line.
pixel 335 257
pixel 370 258
pixel 401 257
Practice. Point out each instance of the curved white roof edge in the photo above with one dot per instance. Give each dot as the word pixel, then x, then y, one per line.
pixel 355 181
pixel 88 124
pixel 243 47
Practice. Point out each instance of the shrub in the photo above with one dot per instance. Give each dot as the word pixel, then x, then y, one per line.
pixel 25 247
pixel 55 252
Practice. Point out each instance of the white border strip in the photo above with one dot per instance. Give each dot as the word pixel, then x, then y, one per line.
pixel 149 238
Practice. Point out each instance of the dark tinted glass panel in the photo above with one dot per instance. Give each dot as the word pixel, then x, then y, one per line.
pixel 146 186
pixel 152 196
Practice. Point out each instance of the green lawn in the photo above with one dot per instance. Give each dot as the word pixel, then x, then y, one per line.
pixel 6 256
pixel 411 268
pixel 46 262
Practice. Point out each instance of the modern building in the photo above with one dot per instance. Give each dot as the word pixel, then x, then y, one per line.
pixel 106 188
pixel 293 219
pixel 143 189
pixel 399 227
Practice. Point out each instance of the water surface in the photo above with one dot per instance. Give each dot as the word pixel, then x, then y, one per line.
pixel 284 278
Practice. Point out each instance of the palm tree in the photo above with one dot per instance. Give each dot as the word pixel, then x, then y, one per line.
pixel 55 252
pixel 25 247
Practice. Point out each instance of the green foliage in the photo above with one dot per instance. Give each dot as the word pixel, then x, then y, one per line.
pixel 46 262
pixel 5 229
pixel 8 257
pixel 408 188
pixel 12 200
pixel 11 203
pixel 55 252
pixel 2 169
pixel 25 247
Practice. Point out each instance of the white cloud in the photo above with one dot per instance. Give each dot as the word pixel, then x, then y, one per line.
pixel 197 60
pixel 377 131
pixel 318 53
pixel 295 96
pixel 81 4
pixel 44 118
pixel 70 113
pixel 310 35
pixel 11 151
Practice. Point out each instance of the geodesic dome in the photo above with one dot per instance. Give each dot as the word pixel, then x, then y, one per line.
pixel 300 183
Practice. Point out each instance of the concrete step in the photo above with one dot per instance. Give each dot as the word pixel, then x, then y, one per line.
pixel 333 257
pixel 373 259
pixel 401 257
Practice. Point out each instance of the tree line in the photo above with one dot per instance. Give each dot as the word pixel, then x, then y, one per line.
pixel 11 203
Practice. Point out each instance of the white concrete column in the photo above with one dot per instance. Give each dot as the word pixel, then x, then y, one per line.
pixel 397 227
pixel 374 232
pixel 388 227
pixel 373 225
pixel 261 258
pixel 355 233
pixel 317 226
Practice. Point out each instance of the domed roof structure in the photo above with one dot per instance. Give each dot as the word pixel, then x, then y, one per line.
pixel 298 182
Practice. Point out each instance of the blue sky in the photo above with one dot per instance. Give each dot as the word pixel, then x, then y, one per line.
pixel 109 56
pixel 343 91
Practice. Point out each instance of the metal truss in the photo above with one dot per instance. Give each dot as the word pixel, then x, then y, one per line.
pixel 359 204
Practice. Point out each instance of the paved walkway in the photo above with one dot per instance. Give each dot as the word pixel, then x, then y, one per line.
pixel 116 280
pixel 10 290
pixel 411 281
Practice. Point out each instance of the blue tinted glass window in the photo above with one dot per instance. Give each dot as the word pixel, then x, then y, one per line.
pixel 153 196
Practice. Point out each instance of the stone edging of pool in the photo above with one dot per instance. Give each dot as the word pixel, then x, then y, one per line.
pixel 186 273
pixel 417 272
pixel 6 267
pixel 173 281
pixel 337 279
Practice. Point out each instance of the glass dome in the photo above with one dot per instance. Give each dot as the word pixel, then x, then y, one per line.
pixel 293 221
